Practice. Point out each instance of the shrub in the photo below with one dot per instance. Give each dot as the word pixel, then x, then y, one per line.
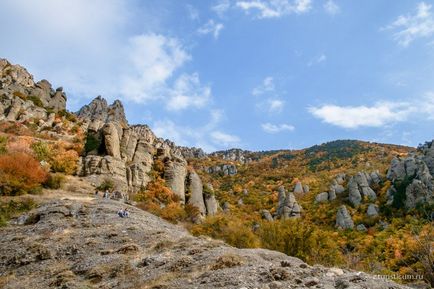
pixel 106 185
pixel 20 173
pixel 20 95
pixel 12 208
pixel 41 150
pixel 54 181
pixel 65 162
pixel 36 101
pixel 3 144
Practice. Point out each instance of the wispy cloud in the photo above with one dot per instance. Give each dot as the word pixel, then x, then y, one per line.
pixel 193 13
pixel 275 105
pixel 317 60
pixel 274 8
pixel 276 128
pixel 221 7
pixel 188 92
pixel 225 139
pixel 211 27
pixel 271 103
pixel 266 86
pixel 331 7
pixel 381 114
pixel 209 136
pixel 407 28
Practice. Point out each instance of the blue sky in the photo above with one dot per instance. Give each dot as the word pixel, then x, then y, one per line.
pixel 255 74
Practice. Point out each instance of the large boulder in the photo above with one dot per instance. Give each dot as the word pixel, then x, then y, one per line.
pixel 174 174
pixel 372 210
pixel 195 188
pixel 322 197
pixel 355 197
pixel 298 188
pixel 343 218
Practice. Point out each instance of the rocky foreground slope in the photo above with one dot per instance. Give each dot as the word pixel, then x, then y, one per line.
pixel 78 241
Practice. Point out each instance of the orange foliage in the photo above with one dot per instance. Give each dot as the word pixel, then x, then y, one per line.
pixel 20 173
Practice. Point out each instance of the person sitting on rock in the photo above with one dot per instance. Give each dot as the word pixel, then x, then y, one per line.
pixel 126 214
pixel 121 213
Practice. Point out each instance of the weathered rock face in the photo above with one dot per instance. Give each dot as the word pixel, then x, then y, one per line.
pixel 211 204
pixel 193 153
pixel 174 174
pixel 236 155
pixel 225 169
pixel 99 111
pixel 21 99
pixel 343 218
pixel 127 154
pixel 413 175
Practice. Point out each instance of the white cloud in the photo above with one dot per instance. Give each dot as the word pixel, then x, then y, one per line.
pixel 276 128
pixel 378 115
pixel 317 60
pixel 331 7
pixel 221 7
pixel 225 139
pixel 266 86
pixel 154 59
pixel 408 28
pixel 275 8
pixel 188 92
pixel 211 27
pixel 275 105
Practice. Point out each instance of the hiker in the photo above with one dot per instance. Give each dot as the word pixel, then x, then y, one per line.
pixel 96 192
pixel 126 213
pixel 106 195
pixel 123 213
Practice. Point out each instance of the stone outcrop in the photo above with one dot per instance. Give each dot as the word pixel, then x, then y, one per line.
pixel 23 100
pixel 266 215
pixel 98 111
pixel 236 155
pixel 322 197
pixel 287 206
pixel 412 181
pixel 359 189
pixel 343 218
pixel 224 169
pixel 192 153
